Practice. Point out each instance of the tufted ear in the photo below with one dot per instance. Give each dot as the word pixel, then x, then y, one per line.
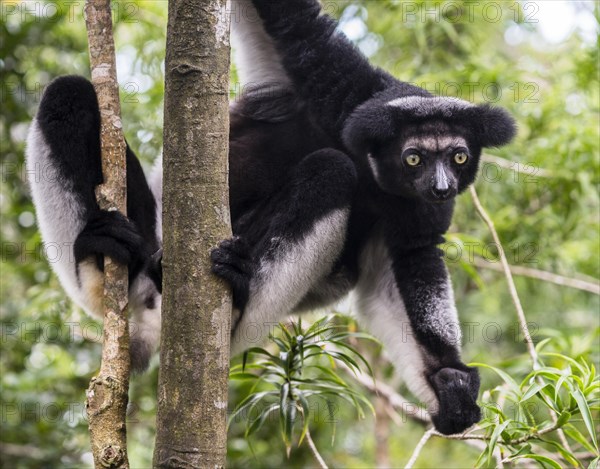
pixel 494 126
pixel 369 124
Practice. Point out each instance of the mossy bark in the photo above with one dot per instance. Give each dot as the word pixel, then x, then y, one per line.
pixel 196 308
pixel 107 394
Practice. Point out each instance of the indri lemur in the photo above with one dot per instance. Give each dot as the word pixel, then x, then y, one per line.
pixel 342 179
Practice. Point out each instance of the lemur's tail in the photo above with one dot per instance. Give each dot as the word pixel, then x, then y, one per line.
pixel 257 61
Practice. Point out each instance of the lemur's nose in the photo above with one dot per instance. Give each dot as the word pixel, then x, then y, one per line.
pixel 441 193
pixel 441 186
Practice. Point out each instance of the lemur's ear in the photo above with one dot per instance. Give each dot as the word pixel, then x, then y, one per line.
pixel 368 125
pixel 493 126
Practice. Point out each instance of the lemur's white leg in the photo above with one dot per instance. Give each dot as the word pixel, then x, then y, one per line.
pixel 303 237
pixel 285 277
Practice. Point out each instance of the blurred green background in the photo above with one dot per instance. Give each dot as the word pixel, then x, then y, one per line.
pixel 538 59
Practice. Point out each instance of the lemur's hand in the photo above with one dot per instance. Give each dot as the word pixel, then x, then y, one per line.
pixel 110 234
pixel 456 391
pixel 232 261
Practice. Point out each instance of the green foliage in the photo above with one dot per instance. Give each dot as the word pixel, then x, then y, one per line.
pixel 302 370
pixel 560 395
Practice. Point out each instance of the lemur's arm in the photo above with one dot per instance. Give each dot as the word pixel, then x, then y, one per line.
pixel 426 291
pixel 326 69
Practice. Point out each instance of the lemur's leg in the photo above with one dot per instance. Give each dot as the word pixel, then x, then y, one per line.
pixel 303 229
pixel 327 70
pixel 407 302
pixel 64 167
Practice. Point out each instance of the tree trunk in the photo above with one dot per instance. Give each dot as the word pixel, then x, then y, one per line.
pixel 107 393
pixel 196 308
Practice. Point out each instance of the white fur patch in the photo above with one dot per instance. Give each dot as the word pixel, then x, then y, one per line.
pixel 257 61
pixel 59 216
pixel 441 177
pixel 155 181
pixel 373 166
pixel 422 106
pixel 435 143
pixel 145 305
pixel 282 283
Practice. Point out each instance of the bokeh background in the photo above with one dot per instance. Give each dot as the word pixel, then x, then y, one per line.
pixel 539 59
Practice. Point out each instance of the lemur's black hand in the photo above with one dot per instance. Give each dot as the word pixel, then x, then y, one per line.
pixel 232 261
pixel 110 234
pixel 456 391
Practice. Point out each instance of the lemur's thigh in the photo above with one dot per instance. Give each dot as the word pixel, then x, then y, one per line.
pixel 288 245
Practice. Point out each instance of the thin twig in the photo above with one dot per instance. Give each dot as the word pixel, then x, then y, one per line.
pixel 314 450
pixel 511 284
pixel 395 399
pixel 419 448
pixel 517 302
pixel 579 284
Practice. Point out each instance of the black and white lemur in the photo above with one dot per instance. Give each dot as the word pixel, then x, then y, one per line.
pixel 342 179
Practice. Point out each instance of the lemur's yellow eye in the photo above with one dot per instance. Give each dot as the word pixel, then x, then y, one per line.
pixel 460 158
pixel 413 160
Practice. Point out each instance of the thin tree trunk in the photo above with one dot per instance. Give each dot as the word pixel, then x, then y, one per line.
pixel 107 393
pixel 196 308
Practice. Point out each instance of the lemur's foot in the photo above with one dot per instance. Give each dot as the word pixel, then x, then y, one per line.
pixel 232 261
pixel 457 394
pixel 110 234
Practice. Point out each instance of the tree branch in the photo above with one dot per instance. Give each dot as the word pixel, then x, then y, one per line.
pixel 424 439
pixel 314 450
pixel 107 393
pixel 196 305
pixel 543 275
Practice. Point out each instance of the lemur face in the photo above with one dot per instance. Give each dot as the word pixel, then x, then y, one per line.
pixel 431 161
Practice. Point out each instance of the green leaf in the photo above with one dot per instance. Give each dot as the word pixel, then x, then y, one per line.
pixel 505 376
pixel 541 344
pixel 494 439
pixel 563 418
pixel 242 376
pixel 565 358
pixel 355 352
pixel 567 455
pixel 575 434
pixel 244 359
pixel 305 415
pixel 249 401
pixel 291 413
pixel 262 351
pixel 532 391
pixel 586 414
pixel 257 423
pixel 542 459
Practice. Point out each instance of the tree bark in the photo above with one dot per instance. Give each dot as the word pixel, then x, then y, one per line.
pixel 107 393
pixel 196 308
